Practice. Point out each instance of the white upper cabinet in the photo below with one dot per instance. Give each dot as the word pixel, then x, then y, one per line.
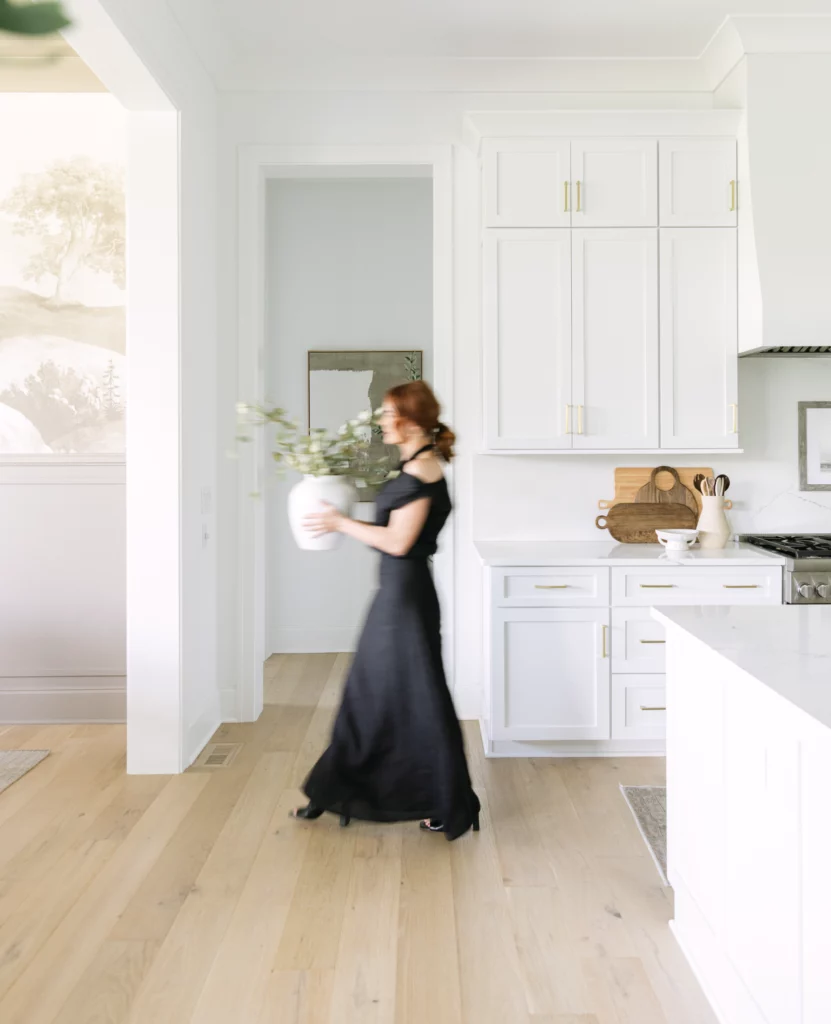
pixel 615 338
pixel 526 184
pixel 698 183
pixel 527 335
pixel 614 183
pixel 699 338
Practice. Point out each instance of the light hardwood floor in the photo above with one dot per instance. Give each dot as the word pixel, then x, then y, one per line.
pixel 195 898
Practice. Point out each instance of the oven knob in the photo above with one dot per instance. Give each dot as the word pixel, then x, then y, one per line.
pixel 806 590
pixel 824 590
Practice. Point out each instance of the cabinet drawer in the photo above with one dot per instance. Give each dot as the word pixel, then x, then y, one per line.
pixel 638 707
pixel 659 586
pixel 638 641
pixel 535 587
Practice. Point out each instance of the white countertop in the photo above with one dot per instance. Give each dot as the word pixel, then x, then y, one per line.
pixel 541 552
pixel 786 647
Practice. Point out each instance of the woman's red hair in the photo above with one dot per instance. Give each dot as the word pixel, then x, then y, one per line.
pixel 416 402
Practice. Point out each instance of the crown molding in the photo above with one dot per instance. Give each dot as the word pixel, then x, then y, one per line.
pixel 736 37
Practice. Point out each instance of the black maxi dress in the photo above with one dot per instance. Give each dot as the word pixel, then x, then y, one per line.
pixel 396 752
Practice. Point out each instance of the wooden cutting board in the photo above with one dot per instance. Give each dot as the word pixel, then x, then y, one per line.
pixel 630 479
pixel 678 494
pixel 636 522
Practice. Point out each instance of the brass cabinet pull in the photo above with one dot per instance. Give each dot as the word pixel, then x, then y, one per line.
pixel 605 630
pixel 735 409
pixel 565 197
pixel 653 641
pixel 551 586
pixel 740 586
pixel 732 196
pixel 657 586
pixel 646 707
pixel 568 419
pixel 579 185
pixel 579 419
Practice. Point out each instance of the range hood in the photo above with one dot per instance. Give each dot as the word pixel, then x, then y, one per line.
pixel 784 227
pixel 789 350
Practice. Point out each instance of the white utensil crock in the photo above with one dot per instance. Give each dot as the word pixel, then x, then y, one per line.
pixel 307 497
pixel 713 528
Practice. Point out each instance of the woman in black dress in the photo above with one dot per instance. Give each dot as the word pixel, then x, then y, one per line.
pixel 397 752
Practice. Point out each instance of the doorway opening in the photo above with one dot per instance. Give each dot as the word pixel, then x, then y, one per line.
pixel 353 254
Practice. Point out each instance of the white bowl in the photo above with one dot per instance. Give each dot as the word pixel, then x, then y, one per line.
pixel 677 540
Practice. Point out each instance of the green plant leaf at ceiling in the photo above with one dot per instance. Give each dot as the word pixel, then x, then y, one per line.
pixel 32 19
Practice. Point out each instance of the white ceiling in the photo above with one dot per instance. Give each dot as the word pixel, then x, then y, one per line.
pixel 228 31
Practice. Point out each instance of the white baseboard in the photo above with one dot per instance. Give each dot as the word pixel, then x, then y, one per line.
pixel 199 735
pixel 565 748
pixel 327 640
pixel 63 699
pixel 228 704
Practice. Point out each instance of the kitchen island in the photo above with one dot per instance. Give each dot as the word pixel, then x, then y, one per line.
pixel 749 806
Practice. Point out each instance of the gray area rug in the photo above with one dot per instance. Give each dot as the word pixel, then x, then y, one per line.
pixel 649 806
pixel 15 763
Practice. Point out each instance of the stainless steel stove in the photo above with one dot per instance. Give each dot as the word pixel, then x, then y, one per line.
pixel 808 572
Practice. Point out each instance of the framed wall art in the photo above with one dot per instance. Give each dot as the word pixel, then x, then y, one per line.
pixel 815 446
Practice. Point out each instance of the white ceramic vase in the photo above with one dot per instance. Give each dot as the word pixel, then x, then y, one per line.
pixel 307 497
pixel 713 528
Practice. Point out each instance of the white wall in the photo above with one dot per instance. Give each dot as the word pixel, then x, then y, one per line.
pixel 172 426
pixel 62 613
pixel 405 119
pixel 349 266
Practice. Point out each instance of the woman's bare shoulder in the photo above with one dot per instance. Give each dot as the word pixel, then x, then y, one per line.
pixel 427 470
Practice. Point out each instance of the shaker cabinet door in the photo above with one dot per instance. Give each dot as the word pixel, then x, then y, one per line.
pixel 699 338
pixel 698 183
pixel 614 183
pixel 527 335
pixel 615 338
pixel 526 183
pixel 551 676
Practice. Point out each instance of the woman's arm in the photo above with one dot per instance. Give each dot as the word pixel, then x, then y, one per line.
pixel 397 538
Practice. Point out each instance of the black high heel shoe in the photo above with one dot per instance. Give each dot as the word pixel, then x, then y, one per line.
pixel 308 813
pixel 436 825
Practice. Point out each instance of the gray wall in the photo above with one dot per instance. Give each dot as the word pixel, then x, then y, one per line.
pixel 349 267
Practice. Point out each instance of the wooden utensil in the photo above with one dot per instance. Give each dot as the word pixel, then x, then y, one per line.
pixel 724 481
pixel 636 522
pixel 677 494
pixel 630 479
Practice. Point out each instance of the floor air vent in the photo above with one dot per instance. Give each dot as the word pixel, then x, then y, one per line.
pixel 218 755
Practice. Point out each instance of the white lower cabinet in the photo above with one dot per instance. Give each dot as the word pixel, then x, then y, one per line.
pixel 551 673
pixel 574 661
pixel 639 709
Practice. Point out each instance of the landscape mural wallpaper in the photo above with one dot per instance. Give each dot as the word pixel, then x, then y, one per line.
pixel 62 275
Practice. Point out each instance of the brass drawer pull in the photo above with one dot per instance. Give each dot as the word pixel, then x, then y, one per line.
pixel 740 586
pixel 653 641
pixel 579 198
pixel 644 707
pixel 733 196
pixel 657 586
pixel 565 190
pixel 605 630
pixel 551 586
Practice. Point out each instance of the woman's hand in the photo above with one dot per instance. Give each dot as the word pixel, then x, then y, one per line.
pixel 327 521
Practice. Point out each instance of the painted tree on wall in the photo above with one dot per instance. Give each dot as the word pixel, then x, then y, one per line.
pixel 75 211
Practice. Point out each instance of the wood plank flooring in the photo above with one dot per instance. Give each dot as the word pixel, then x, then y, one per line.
pixel 135 900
